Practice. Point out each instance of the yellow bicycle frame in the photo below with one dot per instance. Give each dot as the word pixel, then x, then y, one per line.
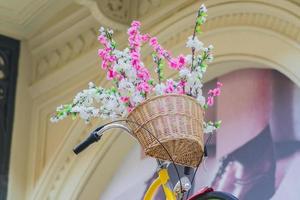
pixel 161 180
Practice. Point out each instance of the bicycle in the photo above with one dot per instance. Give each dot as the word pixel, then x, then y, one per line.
pixel 181 187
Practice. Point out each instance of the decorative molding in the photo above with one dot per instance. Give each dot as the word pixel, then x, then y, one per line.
pixel 258 20
pixel 118 10
pixel 57 168
pixel 86 40
pixel 145 6
pixel 117 21
pixel 52 54
pixel 64 53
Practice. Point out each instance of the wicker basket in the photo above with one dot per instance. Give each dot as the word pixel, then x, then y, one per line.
pixel 176 121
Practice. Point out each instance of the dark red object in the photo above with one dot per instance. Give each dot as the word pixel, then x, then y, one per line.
pixel 201 192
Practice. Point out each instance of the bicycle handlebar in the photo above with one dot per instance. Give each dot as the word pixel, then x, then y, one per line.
pixel 93 137
pixel 96 135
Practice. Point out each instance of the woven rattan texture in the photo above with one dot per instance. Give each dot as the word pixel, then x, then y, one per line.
pixel 176 121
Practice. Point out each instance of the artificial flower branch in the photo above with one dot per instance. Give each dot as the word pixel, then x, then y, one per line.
pixel 133 83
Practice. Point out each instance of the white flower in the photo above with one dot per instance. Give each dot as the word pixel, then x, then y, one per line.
pixel 131 74
pixel 137 98
pixel 54 119
pixel 201 99
pixel 194 43
pixel 203 8
pixel 91 85
pixel 110 31
pixel 84 115
pixel 159 89
pixel 209 129
pixel 59 108
pixel 93 111
pixel 193 83
pixel 102 30
pixel 189 59
pixel 111 104
pixel 126 88
pixel 184 72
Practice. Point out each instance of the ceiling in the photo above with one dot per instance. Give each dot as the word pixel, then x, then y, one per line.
pixel 21 18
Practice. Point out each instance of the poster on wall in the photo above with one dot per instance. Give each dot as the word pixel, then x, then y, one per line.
pixel 256 152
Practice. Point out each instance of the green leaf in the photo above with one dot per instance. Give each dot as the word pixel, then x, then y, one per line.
pixel 151 81
pixel 113 90
pixel 114 44
pixel 203 14
pixel 198 29
pixel 68 108
pixel 203 65
pixel 218 124
pixel 199 20
pixel 73 116
pixel 161 65
pixel 60 113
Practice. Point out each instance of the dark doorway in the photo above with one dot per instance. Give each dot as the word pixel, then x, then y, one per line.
pixel 9 55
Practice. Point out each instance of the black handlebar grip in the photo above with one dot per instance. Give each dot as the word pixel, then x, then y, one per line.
pixel 93 137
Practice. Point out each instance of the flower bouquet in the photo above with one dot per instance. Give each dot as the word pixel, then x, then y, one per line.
pixel 170 109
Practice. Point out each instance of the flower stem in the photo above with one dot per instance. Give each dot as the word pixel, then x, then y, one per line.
pixel 194 34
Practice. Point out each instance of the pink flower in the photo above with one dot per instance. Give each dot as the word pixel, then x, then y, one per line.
pixel 124 99
pixel 210 100
pixel 160 51
pixel 136 23
pixel 135 55
pixel 104 64
pixel 143 87
pixel 177 63
pixel 131 31
pixel 182 83
pixel 219 84
pixel 129 109
pixel 217 91
pixel 102 39
pixel 145 37
pixel 181 61
pixel 111 74
pixel 170 86
pixel 101 53
pixel 173 63
pixel 153 42
pixel 143 73
pixel 111 58
pixel 211 92
pixel 180 89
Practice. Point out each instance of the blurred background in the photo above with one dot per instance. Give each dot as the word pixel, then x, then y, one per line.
pixel 48 52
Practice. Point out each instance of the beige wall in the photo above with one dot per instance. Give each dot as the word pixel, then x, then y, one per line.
pixel 61 59
pixel 21 134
